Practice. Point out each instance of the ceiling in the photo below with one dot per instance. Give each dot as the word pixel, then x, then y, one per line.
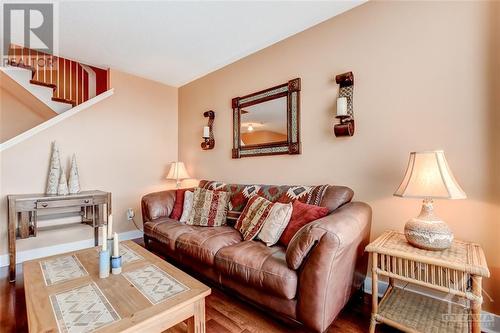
pixel 177 42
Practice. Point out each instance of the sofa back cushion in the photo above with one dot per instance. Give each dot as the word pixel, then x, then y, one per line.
pixel 328 196
pixel 209 208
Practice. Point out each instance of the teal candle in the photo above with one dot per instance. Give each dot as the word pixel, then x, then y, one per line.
pixel 104 263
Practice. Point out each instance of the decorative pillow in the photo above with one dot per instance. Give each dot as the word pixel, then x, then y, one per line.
pixel 253 216
pixel 209 208
pixel 178 205
pixel 275 223
pixel 302 214
pixel 187 206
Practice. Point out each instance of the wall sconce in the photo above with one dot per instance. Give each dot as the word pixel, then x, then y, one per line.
pixel 344 105
pixel 208 132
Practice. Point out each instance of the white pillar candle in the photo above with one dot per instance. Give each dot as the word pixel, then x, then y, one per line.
pixel 116 252
pixel 206 132
pixel 342 106
pixel 110 226
pixel 104 239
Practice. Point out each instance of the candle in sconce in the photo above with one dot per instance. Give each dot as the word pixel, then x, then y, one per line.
pixel 104 239
pixel 342 106
pixel 206 132
pixel 110 226
pixel 116 251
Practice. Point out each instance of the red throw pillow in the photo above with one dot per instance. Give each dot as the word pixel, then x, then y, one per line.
pixel 302 214
pixel 179 203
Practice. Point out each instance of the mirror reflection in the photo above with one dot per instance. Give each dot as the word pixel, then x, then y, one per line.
pixel 264 123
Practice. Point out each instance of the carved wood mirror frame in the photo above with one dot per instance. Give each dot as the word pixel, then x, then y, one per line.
pixel 292 145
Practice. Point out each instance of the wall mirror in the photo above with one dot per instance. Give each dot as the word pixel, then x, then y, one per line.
pixel 267 122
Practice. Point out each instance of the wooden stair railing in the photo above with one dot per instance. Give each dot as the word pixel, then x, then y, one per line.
pixel 68 79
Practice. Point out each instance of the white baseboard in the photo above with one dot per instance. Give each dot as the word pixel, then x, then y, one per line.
pixel 22 256
pixel 382 287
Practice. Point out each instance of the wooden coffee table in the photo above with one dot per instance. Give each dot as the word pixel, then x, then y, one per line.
pixel 150 295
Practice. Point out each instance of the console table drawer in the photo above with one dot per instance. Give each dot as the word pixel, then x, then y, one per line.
pixel 64 203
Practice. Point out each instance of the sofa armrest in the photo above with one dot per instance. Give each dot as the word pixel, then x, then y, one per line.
pixel 329 254
pixel 158 204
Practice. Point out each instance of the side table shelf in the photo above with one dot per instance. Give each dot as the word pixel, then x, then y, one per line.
pixel 457 271
pixel 412 312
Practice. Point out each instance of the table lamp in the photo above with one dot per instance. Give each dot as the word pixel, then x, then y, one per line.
pixel 429 177
pixel 177 172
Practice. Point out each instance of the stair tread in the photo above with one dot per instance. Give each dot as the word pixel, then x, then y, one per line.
pixel 63 100
pixel 48 85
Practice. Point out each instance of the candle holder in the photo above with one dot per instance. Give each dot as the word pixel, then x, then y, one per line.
pixel 209 142
pixel 346 126
pixel 116 265
pixel 104 263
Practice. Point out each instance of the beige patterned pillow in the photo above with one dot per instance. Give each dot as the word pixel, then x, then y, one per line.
pixel 275 223
pixel 187 206
pixel 209 208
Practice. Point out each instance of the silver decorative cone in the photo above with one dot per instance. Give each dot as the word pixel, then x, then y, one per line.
pixel 54 171
pixel 62 189
pixel 74 181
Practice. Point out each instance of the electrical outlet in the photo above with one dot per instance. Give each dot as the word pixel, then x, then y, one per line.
pixel 130 214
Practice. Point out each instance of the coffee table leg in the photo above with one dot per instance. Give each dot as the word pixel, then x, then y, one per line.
pixel 196 324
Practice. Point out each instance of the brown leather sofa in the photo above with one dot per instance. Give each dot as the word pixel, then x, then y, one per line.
pixel 308 282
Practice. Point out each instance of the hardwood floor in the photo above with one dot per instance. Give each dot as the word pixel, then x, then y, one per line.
pixel 224 314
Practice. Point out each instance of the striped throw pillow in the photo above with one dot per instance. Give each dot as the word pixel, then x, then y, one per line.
pixel 209 208
pixel 253 216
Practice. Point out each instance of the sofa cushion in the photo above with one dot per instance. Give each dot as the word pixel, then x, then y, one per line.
pixel 187 206
pixel 253 216
pixel 275 223
pixel 259 266
pixel 209 208
pixel 179 202
pixel 203 243
pixel 302 214
pixel 166 230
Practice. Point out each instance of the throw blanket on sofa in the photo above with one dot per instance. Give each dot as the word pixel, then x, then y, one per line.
pixel 240 194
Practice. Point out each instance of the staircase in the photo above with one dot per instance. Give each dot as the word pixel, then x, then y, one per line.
pixel 44 93
pixel 40 90
pixel 59 83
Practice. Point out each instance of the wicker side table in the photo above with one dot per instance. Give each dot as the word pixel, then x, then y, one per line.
pixel 457 271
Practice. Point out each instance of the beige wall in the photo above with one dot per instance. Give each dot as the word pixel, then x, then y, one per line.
pixel 423 80
pixel 123 144
pixel 19 110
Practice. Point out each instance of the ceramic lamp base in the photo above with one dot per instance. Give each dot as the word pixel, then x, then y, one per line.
pixel 427 231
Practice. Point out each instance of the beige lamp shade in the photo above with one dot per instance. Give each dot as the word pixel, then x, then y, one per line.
pixel 177 171
pixel 429 176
